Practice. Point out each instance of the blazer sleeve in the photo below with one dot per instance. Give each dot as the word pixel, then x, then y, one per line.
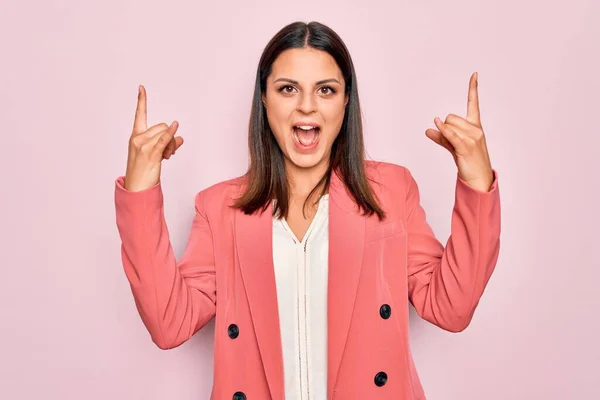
pixel 445 284
pixel 174 299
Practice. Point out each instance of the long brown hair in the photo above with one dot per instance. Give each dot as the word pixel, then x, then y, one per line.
pixel 266 176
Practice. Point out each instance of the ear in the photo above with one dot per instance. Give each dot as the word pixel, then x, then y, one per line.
pixel 346 101
pixel 264 99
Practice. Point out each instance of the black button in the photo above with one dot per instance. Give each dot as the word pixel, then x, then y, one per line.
pixel 239 396
pixel 233 331
pixel 385 311
pixel 380 378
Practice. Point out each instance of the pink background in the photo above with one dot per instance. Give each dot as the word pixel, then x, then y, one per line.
pixel 68 81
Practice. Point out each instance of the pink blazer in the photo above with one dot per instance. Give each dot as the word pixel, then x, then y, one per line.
pixel 375 269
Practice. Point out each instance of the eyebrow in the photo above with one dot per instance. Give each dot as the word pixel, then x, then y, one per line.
pixel 296 82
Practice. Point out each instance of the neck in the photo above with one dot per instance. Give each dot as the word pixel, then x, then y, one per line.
pixel 303 180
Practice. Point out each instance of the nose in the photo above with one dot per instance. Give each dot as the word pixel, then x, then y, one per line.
pixel 306 103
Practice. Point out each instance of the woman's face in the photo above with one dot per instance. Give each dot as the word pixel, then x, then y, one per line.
pixel 305 103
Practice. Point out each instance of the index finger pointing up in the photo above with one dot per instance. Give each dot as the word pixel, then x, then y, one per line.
pixel 473 102
pixel 140 122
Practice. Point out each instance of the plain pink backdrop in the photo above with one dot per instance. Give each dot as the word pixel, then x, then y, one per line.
pixel 68 82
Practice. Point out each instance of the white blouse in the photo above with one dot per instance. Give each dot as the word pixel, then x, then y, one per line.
pixel 301 280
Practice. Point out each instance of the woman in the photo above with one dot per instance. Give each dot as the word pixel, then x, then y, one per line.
pixel 309 260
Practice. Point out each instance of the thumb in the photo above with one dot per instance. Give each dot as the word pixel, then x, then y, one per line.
pixel 161 141
pixel 438 138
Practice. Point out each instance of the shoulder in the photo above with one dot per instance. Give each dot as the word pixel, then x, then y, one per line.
pixel 220 195
pixel 390 183
pixel 387 174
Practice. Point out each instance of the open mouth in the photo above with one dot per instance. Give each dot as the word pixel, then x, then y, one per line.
pixel 306 135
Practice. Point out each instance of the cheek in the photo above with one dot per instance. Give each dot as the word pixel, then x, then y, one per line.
pixel 279 112
pixel 334 116
pixel 278 124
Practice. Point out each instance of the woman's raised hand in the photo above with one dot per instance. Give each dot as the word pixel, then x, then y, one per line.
pixel 465 140
pixel 148 147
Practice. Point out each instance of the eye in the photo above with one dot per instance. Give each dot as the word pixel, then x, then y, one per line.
pixel 327 90
pixel 286 89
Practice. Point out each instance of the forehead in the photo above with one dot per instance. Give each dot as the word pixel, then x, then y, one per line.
pixel 306 65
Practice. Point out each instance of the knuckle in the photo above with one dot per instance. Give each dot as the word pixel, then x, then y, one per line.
pixel 136 142
pixel 162 126
pixel 146 147
pixel 451 118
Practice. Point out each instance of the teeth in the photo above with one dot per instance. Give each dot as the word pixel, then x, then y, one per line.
pixel 306 127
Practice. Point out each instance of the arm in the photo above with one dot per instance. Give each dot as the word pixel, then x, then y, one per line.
pixel 445 284
pixel 174 299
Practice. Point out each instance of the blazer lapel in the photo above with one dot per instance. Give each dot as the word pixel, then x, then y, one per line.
pixel 346 245
pixel 254 244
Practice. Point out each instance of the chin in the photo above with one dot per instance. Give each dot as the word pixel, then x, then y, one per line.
pixel 306 161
